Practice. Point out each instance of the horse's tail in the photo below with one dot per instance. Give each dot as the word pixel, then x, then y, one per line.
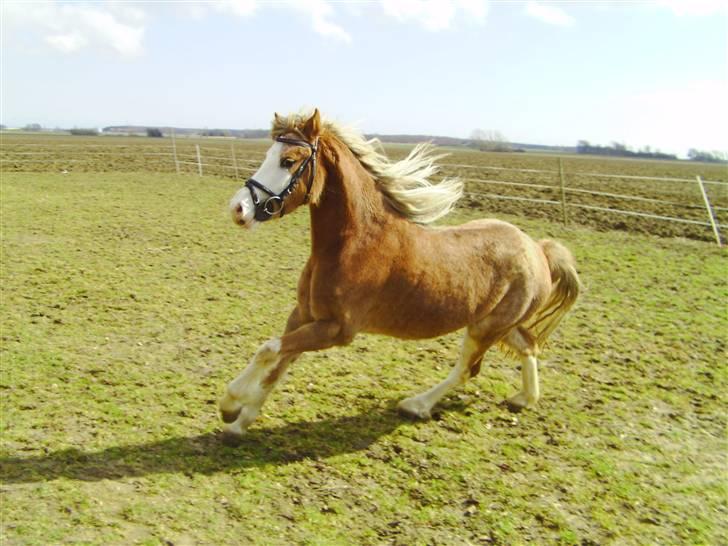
pixel 564 292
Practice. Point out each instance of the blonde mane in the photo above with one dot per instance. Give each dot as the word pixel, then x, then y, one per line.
pixel 405 183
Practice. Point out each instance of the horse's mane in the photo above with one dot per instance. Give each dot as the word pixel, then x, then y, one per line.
pixel 405 184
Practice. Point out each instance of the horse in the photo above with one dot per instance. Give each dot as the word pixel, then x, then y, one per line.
pixel 376 266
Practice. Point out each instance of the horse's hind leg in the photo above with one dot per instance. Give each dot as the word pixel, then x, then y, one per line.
pixel 520 340
pixel 467 366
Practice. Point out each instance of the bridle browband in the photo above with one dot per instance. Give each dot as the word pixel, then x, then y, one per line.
pixel 265 210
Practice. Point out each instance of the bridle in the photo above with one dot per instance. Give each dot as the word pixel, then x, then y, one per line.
pixel 265 210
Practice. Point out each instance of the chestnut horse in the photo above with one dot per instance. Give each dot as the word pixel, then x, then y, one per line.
pixel 374 267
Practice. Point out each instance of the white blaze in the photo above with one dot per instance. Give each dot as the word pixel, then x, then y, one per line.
pixel 271 175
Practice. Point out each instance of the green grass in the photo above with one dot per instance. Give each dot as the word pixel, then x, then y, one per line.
pixel 130 300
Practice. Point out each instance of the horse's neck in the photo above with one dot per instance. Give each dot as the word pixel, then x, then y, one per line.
pixel 350 204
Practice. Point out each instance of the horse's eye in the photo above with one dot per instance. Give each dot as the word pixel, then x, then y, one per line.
pixel 287 163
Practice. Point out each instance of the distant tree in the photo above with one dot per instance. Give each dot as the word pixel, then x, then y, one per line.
pixel 33 127
pixel 491 141
pixel 215 133
pixel 621 150
pixel 707 157
pixel 2 127
pixel 153 132
pixel 619 147
pixel 84 132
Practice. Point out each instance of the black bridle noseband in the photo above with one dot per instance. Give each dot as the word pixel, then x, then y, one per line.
pixel 265 210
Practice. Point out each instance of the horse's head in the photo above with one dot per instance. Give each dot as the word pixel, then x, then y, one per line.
pixel 285 179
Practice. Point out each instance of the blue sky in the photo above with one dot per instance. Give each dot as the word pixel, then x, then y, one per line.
pixel 642 73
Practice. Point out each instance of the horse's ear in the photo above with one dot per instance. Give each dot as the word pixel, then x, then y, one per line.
pixel 312 127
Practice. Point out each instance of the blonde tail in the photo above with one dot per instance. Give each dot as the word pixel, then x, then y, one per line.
pixel 565 291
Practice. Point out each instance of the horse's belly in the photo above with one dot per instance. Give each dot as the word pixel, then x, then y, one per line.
pixel 414 331
pixel 420 317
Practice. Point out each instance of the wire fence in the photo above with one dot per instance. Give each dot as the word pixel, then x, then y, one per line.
pixel 222 160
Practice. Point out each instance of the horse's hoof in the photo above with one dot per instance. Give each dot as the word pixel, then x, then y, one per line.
pixel 412 407
pixel 233 434
pixel 513 407
pixel 229 416
pixel 231 439
pixel 518 403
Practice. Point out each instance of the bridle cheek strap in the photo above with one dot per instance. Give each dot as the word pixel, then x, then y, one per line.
pixel 265 210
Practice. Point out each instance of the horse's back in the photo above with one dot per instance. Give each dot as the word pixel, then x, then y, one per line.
pixel 485 225
pixel 515 258
pixel 501 244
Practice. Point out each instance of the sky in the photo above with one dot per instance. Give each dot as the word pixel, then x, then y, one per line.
pixel 640 73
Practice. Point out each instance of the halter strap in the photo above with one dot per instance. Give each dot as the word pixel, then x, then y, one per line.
pixel 265 210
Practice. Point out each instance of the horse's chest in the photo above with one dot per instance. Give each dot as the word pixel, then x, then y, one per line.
pixel 336 285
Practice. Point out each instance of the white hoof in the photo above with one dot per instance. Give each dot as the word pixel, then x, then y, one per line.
pixel 415 407
pixel 232 435
pixel 520 401
pixel 234 429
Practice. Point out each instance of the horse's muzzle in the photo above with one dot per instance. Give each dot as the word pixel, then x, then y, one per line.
pixel 237 212
pixel 239 215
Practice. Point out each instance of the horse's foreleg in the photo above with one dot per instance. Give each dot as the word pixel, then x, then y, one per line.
pixel 246 394
pixel 521 341
pixel 314 336
pixel 467 366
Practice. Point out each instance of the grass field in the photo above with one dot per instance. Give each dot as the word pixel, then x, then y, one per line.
pixel 129 300
pixel 483 173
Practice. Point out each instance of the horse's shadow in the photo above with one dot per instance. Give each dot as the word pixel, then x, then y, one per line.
pixel 207 453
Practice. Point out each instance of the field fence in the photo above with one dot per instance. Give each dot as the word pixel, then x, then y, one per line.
pixel 225 160
pixel 232 163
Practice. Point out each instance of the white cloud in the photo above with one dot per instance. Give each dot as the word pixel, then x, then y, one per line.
pixel 193 10
pixel 321 12
pixel 431 14
pixel 435 15
pixel 72 27
pixel 549 14
pixel 105 28
pixel 127 11
pixel 476 9
pixel 241 8
pixel 67 43
pixel 694 7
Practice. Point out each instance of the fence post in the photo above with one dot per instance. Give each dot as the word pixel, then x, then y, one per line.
pixel 235 161
pixel 199 160
pixel 174 152
pixel 563 191
pixel 710 210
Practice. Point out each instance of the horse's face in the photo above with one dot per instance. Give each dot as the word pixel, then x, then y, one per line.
pixel 274 173
pixel 284 180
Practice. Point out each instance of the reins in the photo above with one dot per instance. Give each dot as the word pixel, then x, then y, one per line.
pixel 265 210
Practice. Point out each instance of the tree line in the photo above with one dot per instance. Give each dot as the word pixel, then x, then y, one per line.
pixel 619 149
pixel 709 157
